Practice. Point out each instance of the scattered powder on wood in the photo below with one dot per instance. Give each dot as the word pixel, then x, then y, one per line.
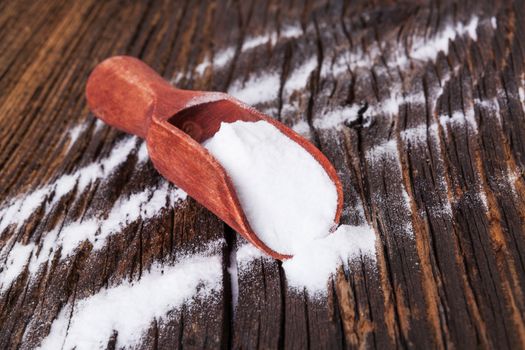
pixel 130 307
pixel 318 259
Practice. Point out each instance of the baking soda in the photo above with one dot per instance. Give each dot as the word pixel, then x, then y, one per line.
pixel 289 201
pixel 318 259
pixel 287 196
pixel 129 308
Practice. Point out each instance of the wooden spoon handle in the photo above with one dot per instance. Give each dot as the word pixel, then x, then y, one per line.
pixel 126 93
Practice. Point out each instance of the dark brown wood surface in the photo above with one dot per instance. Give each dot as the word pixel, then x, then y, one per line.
pixel 440 176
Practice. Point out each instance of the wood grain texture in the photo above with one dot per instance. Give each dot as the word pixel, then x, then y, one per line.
pixel 430 150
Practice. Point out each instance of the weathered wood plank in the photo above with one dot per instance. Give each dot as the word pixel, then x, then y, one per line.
pixel 430 148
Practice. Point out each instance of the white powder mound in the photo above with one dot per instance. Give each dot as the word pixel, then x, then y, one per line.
pixel 313 264
pixel 287 196
pixel 317 260
pixel 290 203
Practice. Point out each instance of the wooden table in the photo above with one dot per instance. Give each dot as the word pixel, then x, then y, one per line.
pixel 420 107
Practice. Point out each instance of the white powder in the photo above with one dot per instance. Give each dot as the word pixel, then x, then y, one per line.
pixel 290 203
pixel 286 194
pixel 130 308
pixel 142 154
pixel 247 253
pixel 256 90
pixel 142 205
pixel 521 93
pixel 302 128
pixel 16 256
pixel 299 77
pixel 224 57
pixel 336 118
pixel 493 22
pixel 318 259
pixel 385 150
pixel 460 118
pixel 428 49
pixel 74 133
pixel 272 38
pixel 16 260
pixel 17 211
pixel 417 134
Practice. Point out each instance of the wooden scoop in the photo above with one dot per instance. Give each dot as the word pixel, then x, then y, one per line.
pixel 129 95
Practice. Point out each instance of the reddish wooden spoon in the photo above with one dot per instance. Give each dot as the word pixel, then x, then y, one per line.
pixel 129 95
